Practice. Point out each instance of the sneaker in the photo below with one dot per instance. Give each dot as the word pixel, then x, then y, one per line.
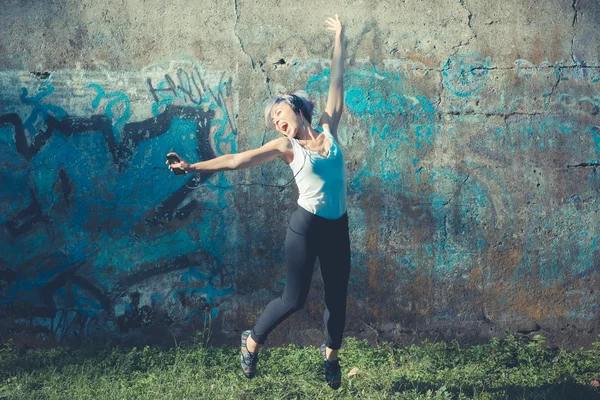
pixel 333 373
pixel 248 359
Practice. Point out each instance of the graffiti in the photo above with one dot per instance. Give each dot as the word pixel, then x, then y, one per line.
pixel 417 135
pixel 466 74
pixel 566 103
pixel 189 86
pixel 70 303
pixel 64 307
pixel 102 239
pixel 406 68
pixel 133 132
pixel 372 102
pixel 543 134
pixel 77 175
pixel 134 316
pixel 24 220
pixel 580 71
pixel 119 103
pixel 199 281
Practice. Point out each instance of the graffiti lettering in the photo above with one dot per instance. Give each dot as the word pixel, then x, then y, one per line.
pixel 406 68
pixel 581 70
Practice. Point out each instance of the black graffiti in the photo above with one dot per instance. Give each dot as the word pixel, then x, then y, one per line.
pixel 67 318
pixel 65 185
pixel 133 132
pixel 150 270
pixel 163 212
pixel 141 317
pixel 69 324
pixel 46 306
pixel 136 132
pixel 150 315
pixel 172 88
pixel 27 218
pixel 67 126
pixel 40 75
pixel 68 278
pixel 8 276
pixel 190 86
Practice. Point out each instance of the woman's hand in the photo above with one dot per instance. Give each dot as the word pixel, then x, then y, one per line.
pixel 177 164
pixel 335 25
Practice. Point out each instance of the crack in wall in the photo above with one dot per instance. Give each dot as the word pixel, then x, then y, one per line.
pixel 574 6
pixel 461 44
pixel 585 165
pixel 558 68
pixel 463 182
pixel 457 191
pixel 481 68
pixel 439 101
pixel 237 20
pixel 455 49
pixel 554 87
pixel 462 3
pixel 491 114
pixel 252 62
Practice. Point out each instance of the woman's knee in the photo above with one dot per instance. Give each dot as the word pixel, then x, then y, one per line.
pixel 298 305
pixel 293 305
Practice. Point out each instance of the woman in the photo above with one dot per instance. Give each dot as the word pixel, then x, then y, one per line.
pixel 319 227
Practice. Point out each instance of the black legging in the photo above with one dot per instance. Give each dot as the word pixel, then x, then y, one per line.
pixel 310 236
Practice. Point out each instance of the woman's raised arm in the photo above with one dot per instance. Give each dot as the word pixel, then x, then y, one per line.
pixel 335 98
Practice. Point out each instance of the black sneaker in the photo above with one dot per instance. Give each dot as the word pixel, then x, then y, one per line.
pixel 333 373
pixel 248 359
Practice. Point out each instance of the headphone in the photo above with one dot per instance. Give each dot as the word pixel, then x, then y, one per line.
pixel 297 103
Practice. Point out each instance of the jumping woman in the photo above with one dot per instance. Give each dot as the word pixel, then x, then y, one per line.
pixel 319 227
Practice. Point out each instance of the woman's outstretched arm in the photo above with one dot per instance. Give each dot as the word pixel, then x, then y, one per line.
pixel 335 98
pixel 278 148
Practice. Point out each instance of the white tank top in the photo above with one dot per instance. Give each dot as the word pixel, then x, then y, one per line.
pixel 321 180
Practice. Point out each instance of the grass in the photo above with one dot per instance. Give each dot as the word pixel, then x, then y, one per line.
pixel 511 368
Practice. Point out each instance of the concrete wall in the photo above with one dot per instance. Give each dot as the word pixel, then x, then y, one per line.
pixel 472 142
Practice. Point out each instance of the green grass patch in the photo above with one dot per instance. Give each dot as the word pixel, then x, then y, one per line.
pixel 511 368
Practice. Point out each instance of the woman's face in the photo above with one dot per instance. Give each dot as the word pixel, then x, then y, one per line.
pixel 286 121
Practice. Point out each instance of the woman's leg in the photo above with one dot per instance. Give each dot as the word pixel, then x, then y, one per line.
pixel 300 255
pixel 334 257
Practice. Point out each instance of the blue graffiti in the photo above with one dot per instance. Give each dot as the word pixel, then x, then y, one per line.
pixel 466 74
pixel 40 111
pixel 71 208
pixel 119 100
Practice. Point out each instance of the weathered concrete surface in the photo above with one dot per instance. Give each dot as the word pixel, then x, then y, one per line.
pixel 472 141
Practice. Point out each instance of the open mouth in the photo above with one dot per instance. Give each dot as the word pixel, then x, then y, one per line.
pixel 283 126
